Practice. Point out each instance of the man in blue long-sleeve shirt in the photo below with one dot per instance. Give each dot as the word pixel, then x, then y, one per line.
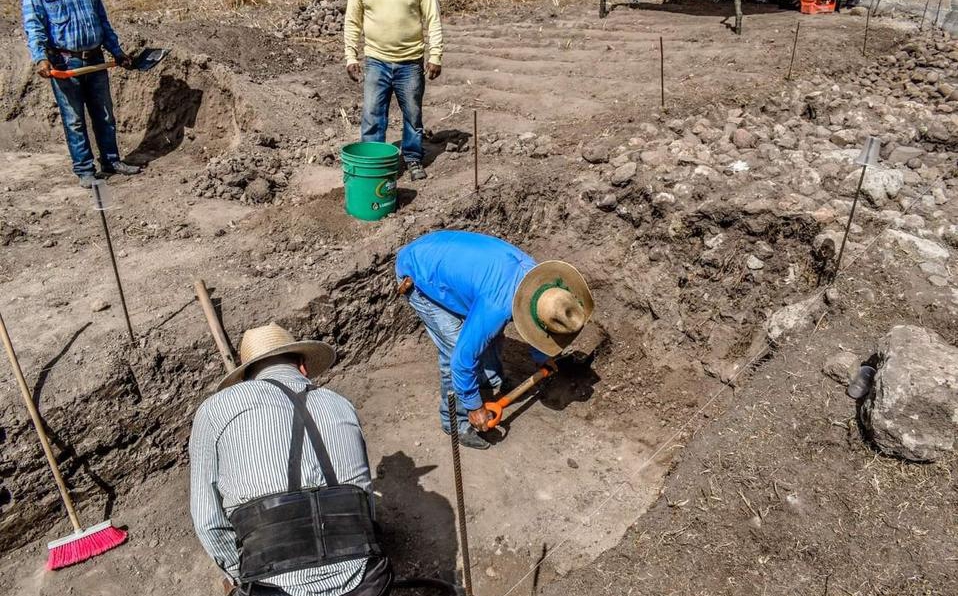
pixel 466 287
pixel 70 34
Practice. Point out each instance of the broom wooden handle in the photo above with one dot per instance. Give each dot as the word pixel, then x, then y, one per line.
pixel 38 425
pixel 219 336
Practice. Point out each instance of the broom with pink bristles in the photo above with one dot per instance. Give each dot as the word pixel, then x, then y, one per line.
pixel 83 544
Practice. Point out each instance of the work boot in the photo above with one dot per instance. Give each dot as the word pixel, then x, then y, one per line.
pixel 471 439
pixel 416 171
pixel 87 180
pixel 119 167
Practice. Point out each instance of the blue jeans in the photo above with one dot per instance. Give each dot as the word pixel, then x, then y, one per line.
pixel 407 80
pixel 91 91
pixel 443 327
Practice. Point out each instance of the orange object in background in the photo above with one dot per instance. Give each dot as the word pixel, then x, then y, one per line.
pixel 817 7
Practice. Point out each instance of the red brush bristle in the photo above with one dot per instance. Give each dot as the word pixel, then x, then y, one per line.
pixel 85 547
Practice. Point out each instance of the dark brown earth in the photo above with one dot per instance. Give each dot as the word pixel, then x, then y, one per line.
pixel 748 459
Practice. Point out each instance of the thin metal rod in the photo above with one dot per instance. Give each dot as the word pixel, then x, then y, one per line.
pixel 791 61
pixel 460 497
pixel 938 13
pixel 923 13
pixel 868 18
pixel 38 426
pixel 116 271
pixel 848 225
pixel 662 69
pixel 475 148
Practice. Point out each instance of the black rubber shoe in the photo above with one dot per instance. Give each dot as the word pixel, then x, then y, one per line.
pixel 416 171
pixel 120 167
pixel 861 385
pixel 471 439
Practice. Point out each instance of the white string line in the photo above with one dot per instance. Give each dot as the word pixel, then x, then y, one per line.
pixel 628 479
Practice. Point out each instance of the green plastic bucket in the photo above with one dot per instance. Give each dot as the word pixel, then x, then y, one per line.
pixel 369 176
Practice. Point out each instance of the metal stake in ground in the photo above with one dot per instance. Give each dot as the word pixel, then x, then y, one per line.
pixel 791 61
pixel 99 192
pixel 938 13
pixel 868 18
pixel 921 26
pixel 460 498
pixel 475 147
pixel 868 157
pixel 662 69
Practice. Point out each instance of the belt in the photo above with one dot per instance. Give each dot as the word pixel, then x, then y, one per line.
pixel 404 286
pixel 82 55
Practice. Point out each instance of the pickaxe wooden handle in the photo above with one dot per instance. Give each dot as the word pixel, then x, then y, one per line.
pixel 506 400
pixel 219 336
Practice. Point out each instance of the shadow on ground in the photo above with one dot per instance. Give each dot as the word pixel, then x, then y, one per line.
pixel 419 526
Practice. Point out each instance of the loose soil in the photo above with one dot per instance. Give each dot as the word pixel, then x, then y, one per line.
pixel 685 457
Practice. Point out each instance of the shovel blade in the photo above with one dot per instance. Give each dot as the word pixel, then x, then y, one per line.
pixel 149 57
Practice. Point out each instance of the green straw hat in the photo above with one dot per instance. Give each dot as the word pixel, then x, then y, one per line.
pixel 551 306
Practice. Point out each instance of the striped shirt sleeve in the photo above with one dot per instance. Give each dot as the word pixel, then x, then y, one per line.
pixel 209 518
pixel 110 40
pixel 34 18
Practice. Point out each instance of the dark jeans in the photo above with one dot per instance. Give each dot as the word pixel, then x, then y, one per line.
pixel 91 91
pixel 443 328
pixel 376 582
pixel 405 79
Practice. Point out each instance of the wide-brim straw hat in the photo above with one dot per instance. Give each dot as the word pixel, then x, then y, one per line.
pixel 261 343
pixel 554 274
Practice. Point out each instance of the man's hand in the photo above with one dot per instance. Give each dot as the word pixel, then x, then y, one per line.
pixel 479 419
pixel 124 61
pixel 355 71
pixel 433 70
pixel 43 68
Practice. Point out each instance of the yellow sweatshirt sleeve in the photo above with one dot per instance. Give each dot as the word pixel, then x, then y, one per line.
pixel 352 30
pixel 433 25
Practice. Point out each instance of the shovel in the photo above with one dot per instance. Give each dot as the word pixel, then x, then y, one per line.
pixel 143 61
pixel 588 345
pixel 496 407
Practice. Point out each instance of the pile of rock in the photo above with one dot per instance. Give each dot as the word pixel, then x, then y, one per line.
pixel 250 177
pixel 794 154
pixel 316 19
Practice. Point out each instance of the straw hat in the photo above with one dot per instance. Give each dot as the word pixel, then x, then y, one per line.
pixel 271 340
pixel 551 306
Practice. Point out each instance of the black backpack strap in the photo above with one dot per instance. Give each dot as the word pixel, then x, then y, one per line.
pixel 304 424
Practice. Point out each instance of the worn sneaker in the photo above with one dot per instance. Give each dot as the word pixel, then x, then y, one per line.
pixel 87 180
pixel 416 171
pixel 471 439
pixel 120 167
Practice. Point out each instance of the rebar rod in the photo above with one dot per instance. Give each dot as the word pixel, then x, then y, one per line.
pixel 460 497
pixel 794 47
pixel 662 69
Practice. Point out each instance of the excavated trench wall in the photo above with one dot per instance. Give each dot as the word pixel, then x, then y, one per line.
pixel 183 97
pixel 136 420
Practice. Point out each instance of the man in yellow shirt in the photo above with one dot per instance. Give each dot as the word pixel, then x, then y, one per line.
pixel 394 51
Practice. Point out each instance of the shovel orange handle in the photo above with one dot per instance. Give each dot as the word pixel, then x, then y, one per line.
pixel 503 402
pixel 76 72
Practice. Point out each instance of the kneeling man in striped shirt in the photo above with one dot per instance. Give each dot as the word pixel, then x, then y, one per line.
pixel 280 483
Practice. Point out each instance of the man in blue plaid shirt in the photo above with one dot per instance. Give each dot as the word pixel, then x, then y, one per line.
pixel 70 34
